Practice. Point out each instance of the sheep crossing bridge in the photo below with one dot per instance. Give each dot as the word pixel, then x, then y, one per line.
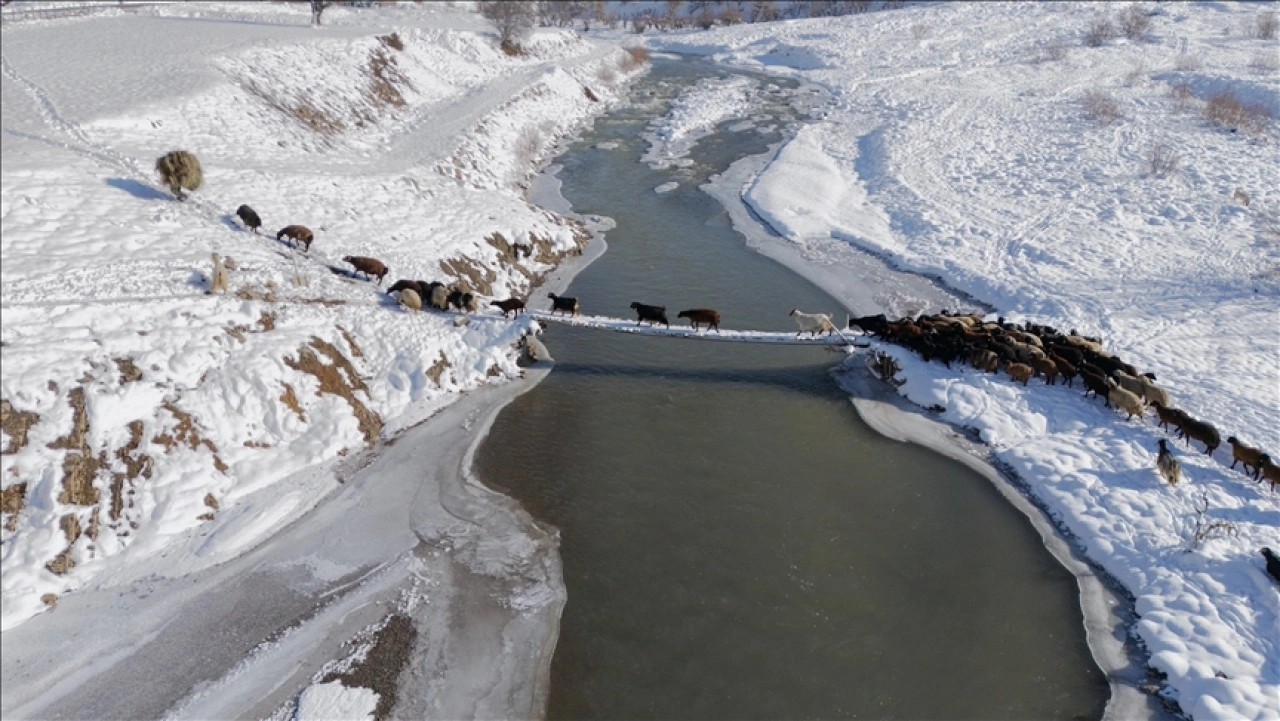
pixel 625 325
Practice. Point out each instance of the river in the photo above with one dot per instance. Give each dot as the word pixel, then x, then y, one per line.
pixel 736 542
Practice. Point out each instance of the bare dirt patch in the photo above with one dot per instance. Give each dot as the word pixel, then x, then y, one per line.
pixel 338 378
pixel 185 433
pixel 290 399
pixel 63 562
pixel 136 465
pixel 438 368
pixel 128 371
pixel 80 467
pixel 381 667
pixel 478 276
pixel 351 342
pixel 12 499
pixel 16 424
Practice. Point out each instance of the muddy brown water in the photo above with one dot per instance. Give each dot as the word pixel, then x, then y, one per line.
pixel 736 542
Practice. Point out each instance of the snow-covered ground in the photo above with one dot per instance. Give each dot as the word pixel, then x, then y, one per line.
pixel 957 144
pixel 154 433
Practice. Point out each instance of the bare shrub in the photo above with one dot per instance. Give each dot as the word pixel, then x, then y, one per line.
pixel 1101 106
pixel 607 75
pixel 706 19
pixel 1225 109
pixel 636 56
pixel 1134 22
pixel 1241 197
pixel 1265 25
pixel 1162 161
pixel 513 19
pixel 763 11
pixel 1182 95
pixel 919 31
pixel 730 16
pixel 1204 529
pixel 528 148
pixel 1187 62
pixel 1100 32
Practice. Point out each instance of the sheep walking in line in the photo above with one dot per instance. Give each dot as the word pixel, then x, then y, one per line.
pixel 563 303
pixel 514 306
pixel 705 316
pixel 1246 456
pixel 1169 467
pixel 1270 471
pixel 655 314
pixel 1129 401
pixel 298 235
pixel 371 267
pixel 180 170
pixel 813 323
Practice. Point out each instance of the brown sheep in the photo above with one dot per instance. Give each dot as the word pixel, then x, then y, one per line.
pixel 1246 455
pixel 1270 471
pixel 1046 368
pixel 298 234
pixel 1203 432
pixel 510 305
pixel 1170 416
pixel 1019 372
pixel 702 315
pixel 371 267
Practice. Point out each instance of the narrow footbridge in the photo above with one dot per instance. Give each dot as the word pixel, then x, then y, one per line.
pixel 628 325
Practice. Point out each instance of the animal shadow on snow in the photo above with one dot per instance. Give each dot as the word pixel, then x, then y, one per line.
pixel 138 190
pixel 231 221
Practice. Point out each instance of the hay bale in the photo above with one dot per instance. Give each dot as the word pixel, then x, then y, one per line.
pixel 179 169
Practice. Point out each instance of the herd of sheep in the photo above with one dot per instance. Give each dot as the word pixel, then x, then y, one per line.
pixel 1031 350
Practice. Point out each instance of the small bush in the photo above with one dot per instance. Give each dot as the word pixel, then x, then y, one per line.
pixel 919 31
pixel 1101 106
pixel 528 147
pixel 1100 32
pixel 511 48
pixel 1162 161
pixel 1134 22
pixel 636 56
pixel 607 75
pixel 1136 75
pixel 1228 111
pixel 1182 95
pixel 730 16
pixel 1187 62
pixel 1264 26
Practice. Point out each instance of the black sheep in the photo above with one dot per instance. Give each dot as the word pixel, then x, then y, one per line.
pixel 249 218
pixel 564 303
pixel 653 313
pixel 1273 563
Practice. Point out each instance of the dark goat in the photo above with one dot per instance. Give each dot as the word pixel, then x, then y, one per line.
pixel 702 315
pixel 874 324
pixel 1203 432
pixel 653 313
pixel 564 303
pixel 371 267
pixel 1273 563
pixel 249 218
pixel 509 305
pixel 1095 384
pixel 299 234
pixel 1170 415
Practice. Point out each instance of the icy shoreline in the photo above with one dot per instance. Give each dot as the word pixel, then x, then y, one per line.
pixel 850 279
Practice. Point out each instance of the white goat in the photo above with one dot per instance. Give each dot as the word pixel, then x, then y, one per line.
pixel 812 322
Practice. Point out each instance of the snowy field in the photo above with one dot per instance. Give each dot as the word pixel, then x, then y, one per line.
pixel 153 432
pixel 958 144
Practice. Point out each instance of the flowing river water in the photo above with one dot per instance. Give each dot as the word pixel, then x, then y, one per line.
pixel 736 542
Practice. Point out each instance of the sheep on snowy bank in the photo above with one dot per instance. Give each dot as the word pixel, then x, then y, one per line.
pixel 1246 456
pixel 653 313
pixel 1129 401
pixel 371 267
pixel 510 305
pixel 249 218
pixel 814 323
pixel 563 303
pixel 298 234
pixel 702 315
